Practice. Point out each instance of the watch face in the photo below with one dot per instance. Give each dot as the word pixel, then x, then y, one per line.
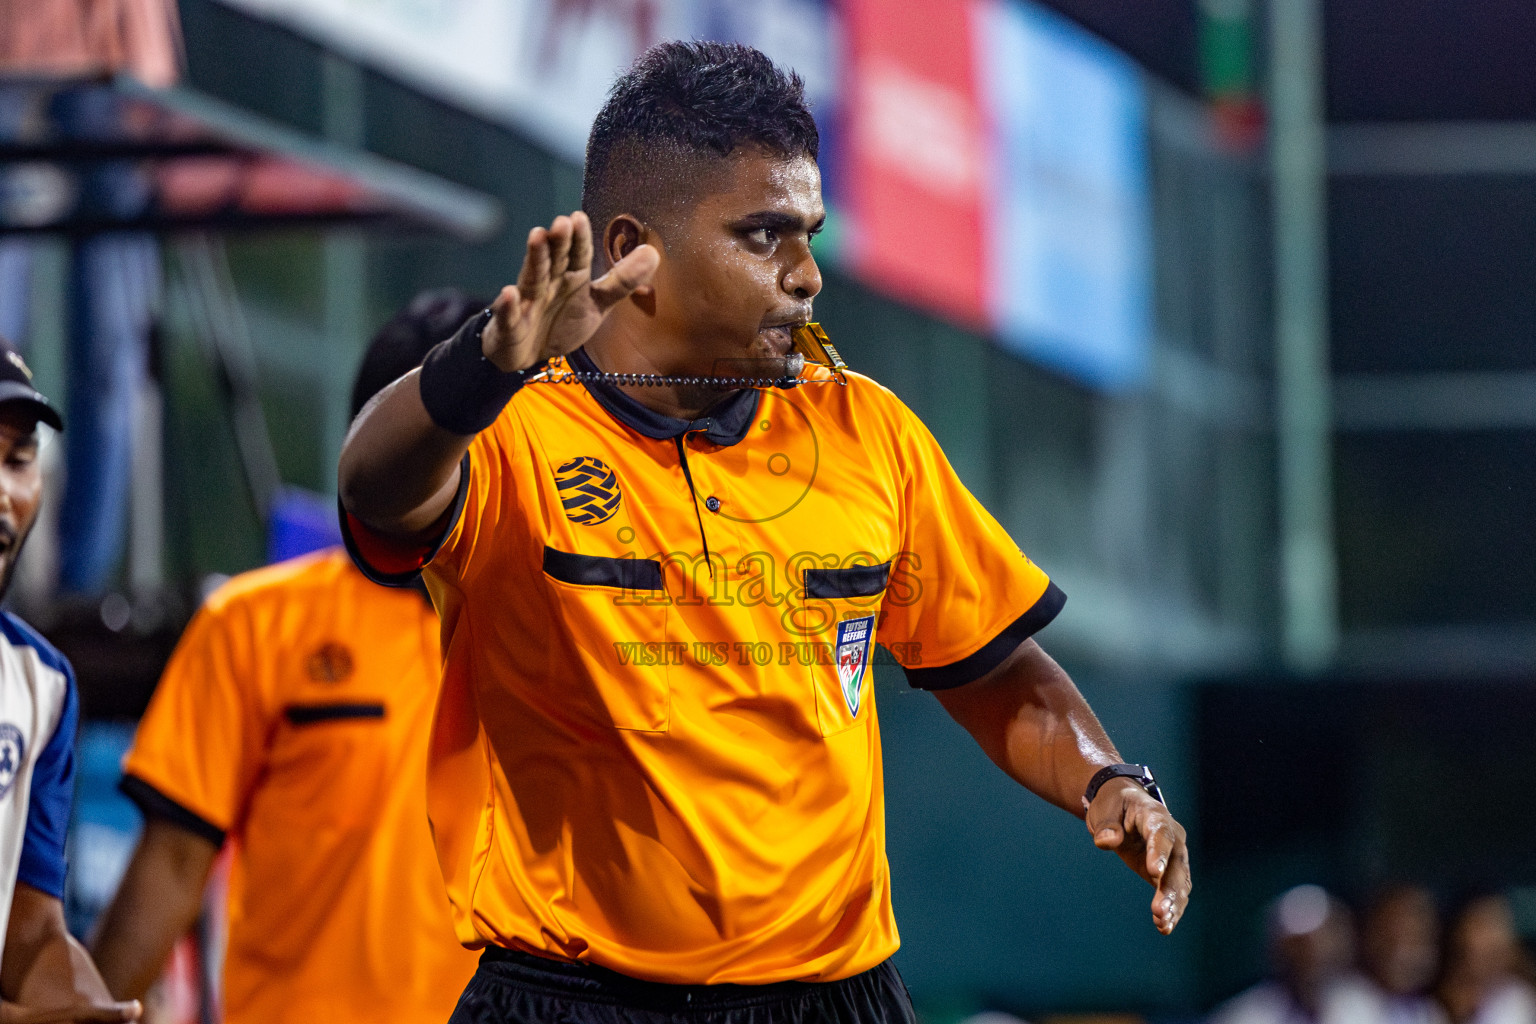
pixel 1150 785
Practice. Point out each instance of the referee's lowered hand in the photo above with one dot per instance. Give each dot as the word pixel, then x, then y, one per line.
pixel 1125 818
pixel 81 1011
pixel 555 305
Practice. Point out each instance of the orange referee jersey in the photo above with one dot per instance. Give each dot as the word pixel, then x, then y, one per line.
pixel 656 746
pixel 294 717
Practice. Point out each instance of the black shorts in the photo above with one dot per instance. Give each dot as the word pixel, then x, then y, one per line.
pixel 517 988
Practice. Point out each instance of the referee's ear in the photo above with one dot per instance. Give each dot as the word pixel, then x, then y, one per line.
pixel 622 236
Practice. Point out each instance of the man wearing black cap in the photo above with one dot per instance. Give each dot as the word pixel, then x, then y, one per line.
pixel 45 975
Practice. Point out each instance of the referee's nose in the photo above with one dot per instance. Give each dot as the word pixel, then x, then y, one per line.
pixel 803 278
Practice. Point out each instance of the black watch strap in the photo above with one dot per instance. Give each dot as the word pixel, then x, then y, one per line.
pixel 1140 772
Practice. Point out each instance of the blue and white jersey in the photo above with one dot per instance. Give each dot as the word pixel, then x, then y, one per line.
pixel 39 713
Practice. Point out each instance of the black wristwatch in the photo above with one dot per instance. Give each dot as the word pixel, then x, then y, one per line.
pixel 1139 772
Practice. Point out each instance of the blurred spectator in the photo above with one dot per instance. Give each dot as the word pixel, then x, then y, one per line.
pixel 1311 947
pixel 88 38
pixel 114 277
pixel 1485 977
pixel 43 969
pixel 1400 954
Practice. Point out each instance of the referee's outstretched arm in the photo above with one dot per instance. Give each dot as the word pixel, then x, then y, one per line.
pixel 399 466
pixel 1030 719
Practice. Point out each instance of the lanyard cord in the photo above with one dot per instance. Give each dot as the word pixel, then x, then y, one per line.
pixel 657 380
pixel 682 454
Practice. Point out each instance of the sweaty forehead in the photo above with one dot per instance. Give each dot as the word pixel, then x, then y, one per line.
pixel 754 182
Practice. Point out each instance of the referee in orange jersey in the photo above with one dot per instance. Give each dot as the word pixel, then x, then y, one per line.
pixel 293 719
pixel 654 779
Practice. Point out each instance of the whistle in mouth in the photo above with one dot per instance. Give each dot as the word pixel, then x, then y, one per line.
pixel 812 343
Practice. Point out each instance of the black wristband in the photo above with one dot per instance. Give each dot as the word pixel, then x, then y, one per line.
pixel 463 391
pixel 1138 772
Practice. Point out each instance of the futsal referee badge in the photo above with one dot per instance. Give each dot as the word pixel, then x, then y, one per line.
pixel 852 651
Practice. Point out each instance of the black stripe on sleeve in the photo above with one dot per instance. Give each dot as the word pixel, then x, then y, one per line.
pixel 995 651
pixel 429 551
pixel 155 804
pixel 311 714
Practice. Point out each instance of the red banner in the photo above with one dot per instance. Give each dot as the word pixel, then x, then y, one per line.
pixel 917 155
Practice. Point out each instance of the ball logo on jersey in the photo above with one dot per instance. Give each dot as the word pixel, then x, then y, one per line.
pixel 331 663
pixel 851 650
pixel 13 748
pixel 589 490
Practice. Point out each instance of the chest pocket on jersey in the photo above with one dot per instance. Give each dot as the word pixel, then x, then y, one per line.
pixel 614 612
pixel 839 610
pixel 335 754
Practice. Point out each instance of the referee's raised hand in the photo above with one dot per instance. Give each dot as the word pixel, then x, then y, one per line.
pixel 555 305
pixel 399 466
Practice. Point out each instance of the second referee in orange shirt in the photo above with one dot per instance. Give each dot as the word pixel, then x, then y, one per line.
pixel 293 719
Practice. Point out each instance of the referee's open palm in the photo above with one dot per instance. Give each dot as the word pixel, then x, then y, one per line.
pixel 555 305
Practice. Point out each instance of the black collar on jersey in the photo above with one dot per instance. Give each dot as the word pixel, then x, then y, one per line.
pixel 725 424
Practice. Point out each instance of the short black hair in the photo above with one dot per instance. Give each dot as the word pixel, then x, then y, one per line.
pixel 401 344
pixel 687 101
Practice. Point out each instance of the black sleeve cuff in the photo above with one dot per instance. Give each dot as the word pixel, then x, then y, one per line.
pixel 405 577
pixel 156 804
pixel 995 651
